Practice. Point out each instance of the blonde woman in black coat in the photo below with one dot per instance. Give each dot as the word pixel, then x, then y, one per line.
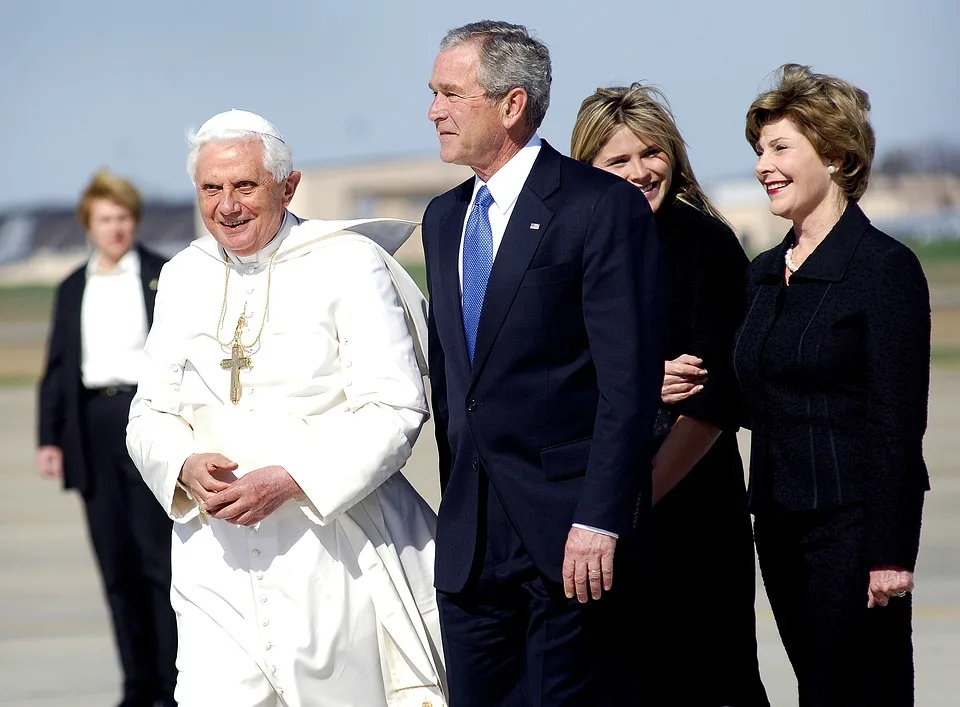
pixel 833 358
pixel 699 619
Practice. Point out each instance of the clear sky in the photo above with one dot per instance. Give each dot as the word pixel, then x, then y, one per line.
pixel 92 83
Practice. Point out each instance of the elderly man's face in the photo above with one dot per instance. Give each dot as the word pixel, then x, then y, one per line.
pixel 469 123
pixel 241 204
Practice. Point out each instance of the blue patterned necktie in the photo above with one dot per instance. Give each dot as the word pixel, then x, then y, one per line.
pixel 477 262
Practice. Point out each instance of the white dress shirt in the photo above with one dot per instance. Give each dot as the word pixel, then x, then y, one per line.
pixel 113 323
pixel 505 186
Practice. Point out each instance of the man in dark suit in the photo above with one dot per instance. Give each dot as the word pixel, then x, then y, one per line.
pixel 102 314
pixel 546 346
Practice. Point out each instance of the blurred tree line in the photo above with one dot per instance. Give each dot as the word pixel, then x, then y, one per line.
pixel 932 157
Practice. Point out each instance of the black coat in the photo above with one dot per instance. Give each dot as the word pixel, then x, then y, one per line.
pixel 706 268
pixel 701 528
pixel 835 370
pixel 568 366
pixel 60 409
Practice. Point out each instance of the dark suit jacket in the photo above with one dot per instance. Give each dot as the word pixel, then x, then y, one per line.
pixel 60 409
pixel 835 370
pixel 568 363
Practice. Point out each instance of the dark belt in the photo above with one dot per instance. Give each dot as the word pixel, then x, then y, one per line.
pixel 111 391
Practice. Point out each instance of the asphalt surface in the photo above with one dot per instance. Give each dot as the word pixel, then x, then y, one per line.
pixel 56 649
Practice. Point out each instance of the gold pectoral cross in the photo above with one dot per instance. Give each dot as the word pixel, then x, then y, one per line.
pixel 238 360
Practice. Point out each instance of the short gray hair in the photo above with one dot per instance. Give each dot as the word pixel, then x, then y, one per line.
pixel 509 58
pixel 277 157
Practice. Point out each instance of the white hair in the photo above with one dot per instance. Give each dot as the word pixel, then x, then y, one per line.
pixel 277 157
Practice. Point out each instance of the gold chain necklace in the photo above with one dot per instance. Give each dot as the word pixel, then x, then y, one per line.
pixel 239 360
pixel 243 317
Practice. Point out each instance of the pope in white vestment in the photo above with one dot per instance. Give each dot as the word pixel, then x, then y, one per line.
pixel 328 601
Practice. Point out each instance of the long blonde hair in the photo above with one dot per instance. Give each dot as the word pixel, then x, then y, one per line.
pixel 645 111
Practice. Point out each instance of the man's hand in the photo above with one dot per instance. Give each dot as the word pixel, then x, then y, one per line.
pixel 682 377
pixel 886 583
pixel 587 563
pixel 253 496
pixel 205 474
pixel 49 461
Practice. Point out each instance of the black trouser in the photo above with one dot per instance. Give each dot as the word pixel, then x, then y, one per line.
pixel 512 639
pixel 130 534
pixel 815 574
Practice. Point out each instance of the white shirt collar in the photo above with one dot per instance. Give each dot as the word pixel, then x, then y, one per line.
pixel 262 256
pixel 129 263
pixel 506 184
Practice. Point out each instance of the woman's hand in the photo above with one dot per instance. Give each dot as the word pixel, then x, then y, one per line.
pixel 682 377
pixel 886 583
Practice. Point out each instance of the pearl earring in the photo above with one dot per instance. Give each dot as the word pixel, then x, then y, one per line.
pixel 831 169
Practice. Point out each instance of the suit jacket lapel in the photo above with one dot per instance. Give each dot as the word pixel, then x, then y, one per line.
pixel 451 228
pixel 519 244
pixel 149 281
pixel 74 300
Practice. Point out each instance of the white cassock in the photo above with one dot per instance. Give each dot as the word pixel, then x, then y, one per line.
pixel 329 601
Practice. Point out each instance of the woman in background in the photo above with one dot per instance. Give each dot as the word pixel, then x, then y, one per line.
pixel 834 362
pixel 703 645
pixel 102 314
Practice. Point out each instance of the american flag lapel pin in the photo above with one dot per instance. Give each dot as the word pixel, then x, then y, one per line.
pixel 534 226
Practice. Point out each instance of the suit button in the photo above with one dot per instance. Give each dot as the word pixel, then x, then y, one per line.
pixel 475 465
pixel 471 405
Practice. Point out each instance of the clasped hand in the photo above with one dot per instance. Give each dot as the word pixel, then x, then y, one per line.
pixel 682 377
pixel 587 564
pixel 243 501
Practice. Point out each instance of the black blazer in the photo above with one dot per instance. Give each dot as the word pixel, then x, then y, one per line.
pixel 567 368
pixel 60 411
pixel 835 370
pixel 706 268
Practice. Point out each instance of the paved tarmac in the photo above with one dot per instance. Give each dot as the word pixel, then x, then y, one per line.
pixel 56 649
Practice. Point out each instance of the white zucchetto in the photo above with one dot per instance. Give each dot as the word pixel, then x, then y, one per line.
pixel 240 120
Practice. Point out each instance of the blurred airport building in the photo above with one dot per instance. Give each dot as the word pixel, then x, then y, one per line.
pixel 42 245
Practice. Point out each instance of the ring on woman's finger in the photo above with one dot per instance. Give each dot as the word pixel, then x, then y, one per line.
pixel 900 594
pixel 594 573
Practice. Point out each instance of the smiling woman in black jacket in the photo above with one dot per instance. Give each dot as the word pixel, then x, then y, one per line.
pixel 833 358
pixel 703 651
